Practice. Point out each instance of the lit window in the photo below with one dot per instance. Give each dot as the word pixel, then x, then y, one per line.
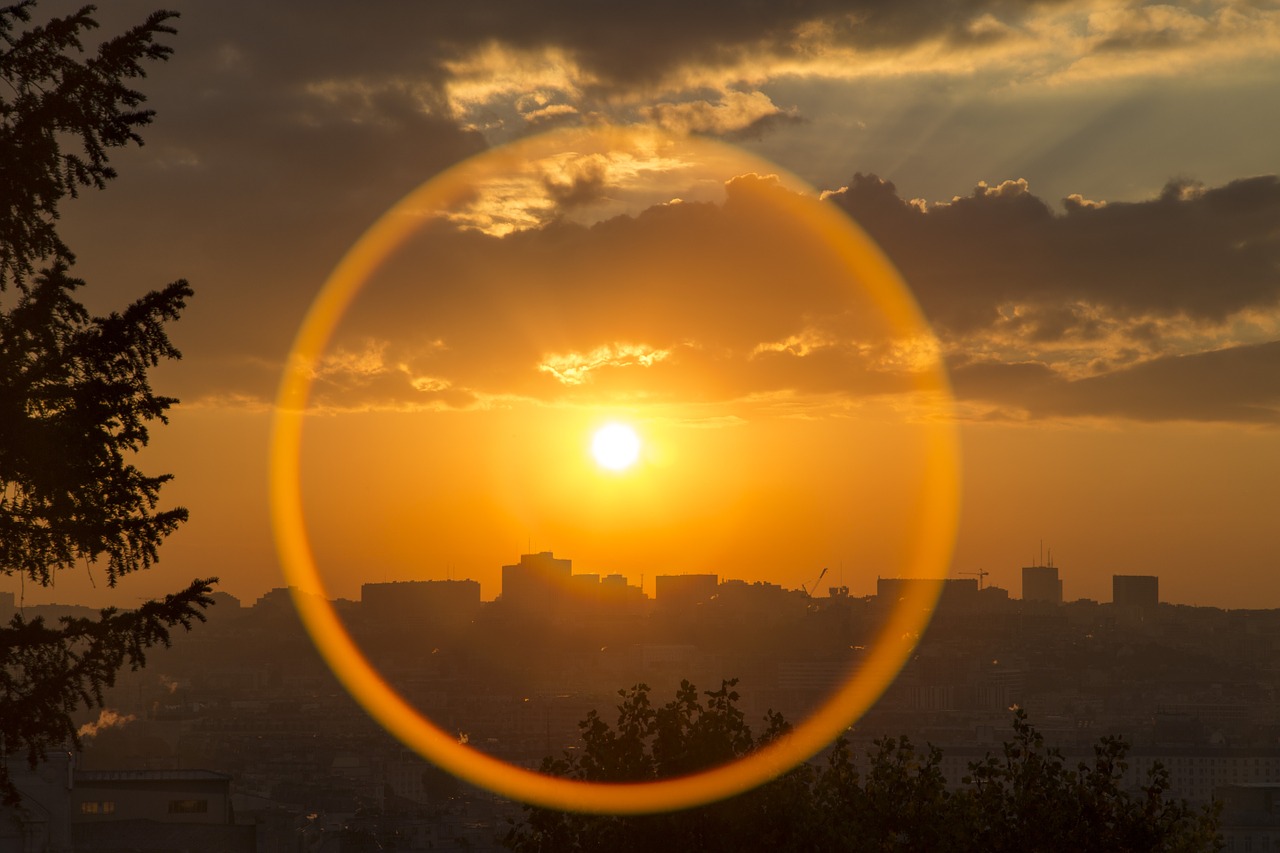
pixel 188 806
pixel 98 807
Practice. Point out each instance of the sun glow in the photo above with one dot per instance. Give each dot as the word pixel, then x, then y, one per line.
pixel 754 428
pixel 616 447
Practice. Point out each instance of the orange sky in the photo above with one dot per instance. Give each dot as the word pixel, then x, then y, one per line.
pixel 1110 325
pixel 785 387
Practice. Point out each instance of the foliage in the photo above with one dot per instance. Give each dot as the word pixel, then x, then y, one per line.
pixel 46 672
pixel 1025 799
pixel 58 95
pixel 74 401
pixel 75 398
pixel 683 736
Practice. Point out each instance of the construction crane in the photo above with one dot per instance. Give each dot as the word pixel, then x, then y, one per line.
pixel 979 574
pixel 809 591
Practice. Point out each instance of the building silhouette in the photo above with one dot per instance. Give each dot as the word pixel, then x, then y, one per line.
pixel 949 591
pixel 441 603
pixel 1041 583
pixel 539 582
pixel 65 808
pixel 680 594
pixel 1135 591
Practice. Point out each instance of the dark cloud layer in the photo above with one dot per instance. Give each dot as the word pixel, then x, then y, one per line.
pixel 701 302
pixel 621 43
pixel 687 302
pixel 1238 384
pixel 998 271
pixel 1204 253
pixel 283 130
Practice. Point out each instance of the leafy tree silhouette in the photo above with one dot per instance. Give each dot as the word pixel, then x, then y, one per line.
pixel 647 743
pixel 1028 799
pixel 75 400
pixel 1025 799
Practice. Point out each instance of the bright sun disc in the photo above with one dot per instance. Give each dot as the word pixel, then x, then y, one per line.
pixel 616 446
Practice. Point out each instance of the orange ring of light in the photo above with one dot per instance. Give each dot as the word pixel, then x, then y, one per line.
pixel 937 502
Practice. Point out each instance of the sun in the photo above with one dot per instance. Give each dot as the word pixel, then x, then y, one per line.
pixel 616 447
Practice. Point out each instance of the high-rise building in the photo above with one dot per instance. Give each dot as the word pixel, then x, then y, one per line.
pixel 538 582
pixel 1135 591
pixel 1041 583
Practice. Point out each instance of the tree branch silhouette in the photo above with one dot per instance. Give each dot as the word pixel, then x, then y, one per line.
pixel 75 397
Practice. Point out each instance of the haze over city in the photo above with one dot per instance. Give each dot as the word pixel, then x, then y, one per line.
pixel 1081 200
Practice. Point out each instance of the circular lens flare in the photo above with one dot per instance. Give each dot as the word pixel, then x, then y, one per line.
pixel 926 551
pixel 616 447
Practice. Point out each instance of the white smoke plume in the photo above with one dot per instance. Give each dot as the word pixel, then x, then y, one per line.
pixel 107 719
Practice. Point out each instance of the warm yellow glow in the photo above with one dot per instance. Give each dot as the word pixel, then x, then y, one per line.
pixel 616 447
pixel 741 466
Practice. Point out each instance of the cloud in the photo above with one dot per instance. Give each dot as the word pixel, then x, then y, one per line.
pixel 496 69
pixel 1238 384
pixel 269 163
pixel 576 368
pixel 1117 309
pixel 735 114
pixel 1200 253
pixel 614 62
pixel 1164 40
pixel 584 182
pixel 1097 309
pixel 542 190
pixel 697 302
pixel 346 365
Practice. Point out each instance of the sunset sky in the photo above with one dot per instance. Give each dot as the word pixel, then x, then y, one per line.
pixel 1082 197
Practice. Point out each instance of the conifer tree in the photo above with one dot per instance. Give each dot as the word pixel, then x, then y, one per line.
pixel 75 398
